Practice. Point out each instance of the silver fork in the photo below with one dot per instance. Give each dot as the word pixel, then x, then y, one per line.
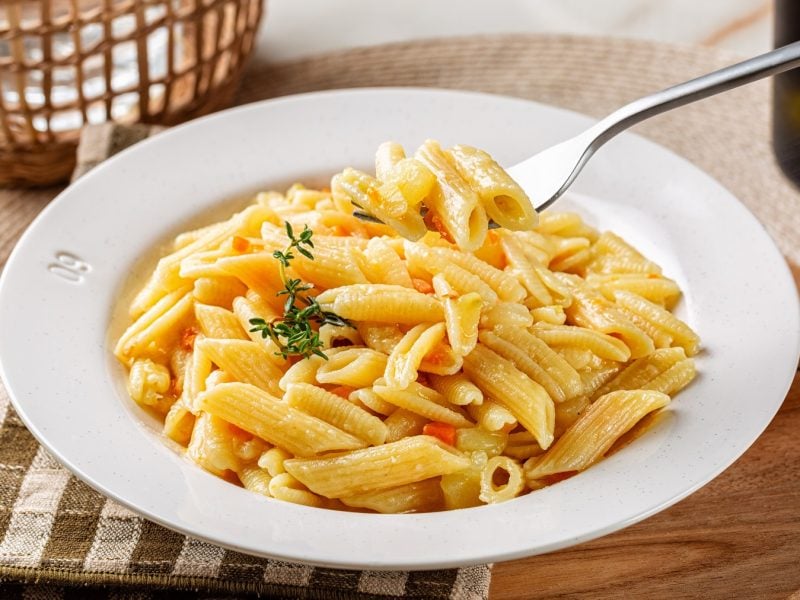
pixel 547 175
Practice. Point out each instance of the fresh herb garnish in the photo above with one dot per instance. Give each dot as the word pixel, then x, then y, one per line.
pixel 293 333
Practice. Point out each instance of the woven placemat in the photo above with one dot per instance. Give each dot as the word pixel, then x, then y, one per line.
pixel 57 531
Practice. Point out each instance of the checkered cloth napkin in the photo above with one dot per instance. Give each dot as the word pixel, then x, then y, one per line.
pixel 72 542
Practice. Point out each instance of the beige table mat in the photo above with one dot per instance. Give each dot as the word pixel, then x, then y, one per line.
pixel 55 530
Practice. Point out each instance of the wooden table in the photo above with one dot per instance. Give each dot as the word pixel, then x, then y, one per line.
pixel 738 537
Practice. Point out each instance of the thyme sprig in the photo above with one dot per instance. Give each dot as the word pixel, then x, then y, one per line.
pixel 293 333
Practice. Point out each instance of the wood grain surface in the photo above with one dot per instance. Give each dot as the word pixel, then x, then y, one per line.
pixel 737 537
pixel 18 207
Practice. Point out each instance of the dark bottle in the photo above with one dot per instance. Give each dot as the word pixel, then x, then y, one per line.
pixel 786 97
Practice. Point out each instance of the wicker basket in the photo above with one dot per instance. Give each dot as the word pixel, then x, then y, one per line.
pixel 64 63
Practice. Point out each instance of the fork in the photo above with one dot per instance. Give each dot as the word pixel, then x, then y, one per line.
pixel 547 175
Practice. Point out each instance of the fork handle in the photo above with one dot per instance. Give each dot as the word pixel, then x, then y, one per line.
pixel 764 65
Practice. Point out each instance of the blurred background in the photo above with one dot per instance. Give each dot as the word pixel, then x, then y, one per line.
pixel 297 28
pixel 67 63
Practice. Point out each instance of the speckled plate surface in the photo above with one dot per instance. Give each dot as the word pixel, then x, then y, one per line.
pixel 60 300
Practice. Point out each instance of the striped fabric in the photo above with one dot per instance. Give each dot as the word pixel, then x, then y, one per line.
pixel 57 531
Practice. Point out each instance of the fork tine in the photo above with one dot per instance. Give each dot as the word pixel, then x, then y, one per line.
pixel 365 216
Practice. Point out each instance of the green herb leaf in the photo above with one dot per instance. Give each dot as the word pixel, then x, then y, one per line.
pixel 293 333
pixel 305 253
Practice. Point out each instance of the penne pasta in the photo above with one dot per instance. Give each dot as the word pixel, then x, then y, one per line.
pixel 412 400
pixel 243 360
pixel 248 308
pixel 640 373
pixel 373 346
pixel 353 367
pixel 462 280
pixel 525 363
pixel 537 360
pixel 409 460
pixel 523 397
pixel 166 278
pixel 590 310
pixel 504 201
pixel 604 346
pixel 491 492
pixel 218 291
pixel 217 322
pixel 263 415
pixel 259 272
pixel 457 208
pixel 406 357
pixel 661 319
pixel 422 496
pixel 595 431
pixel 523 267
pixel 382 304
pixel 337 411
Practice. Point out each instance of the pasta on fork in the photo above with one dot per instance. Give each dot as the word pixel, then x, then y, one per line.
pixel 414 361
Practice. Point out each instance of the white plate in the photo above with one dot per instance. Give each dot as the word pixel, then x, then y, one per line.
pixel 56 334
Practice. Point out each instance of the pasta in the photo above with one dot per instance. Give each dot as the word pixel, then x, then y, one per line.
pixel 413 361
